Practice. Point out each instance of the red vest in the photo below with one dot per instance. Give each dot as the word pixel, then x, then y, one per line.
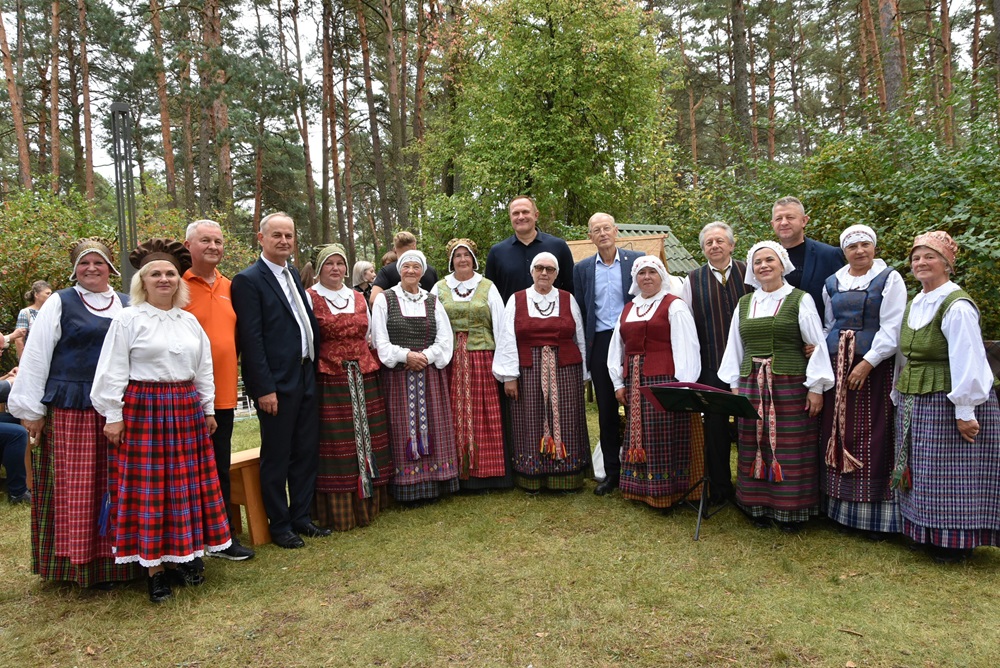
pixel 536 332
pixel 650 338
pixel 342 337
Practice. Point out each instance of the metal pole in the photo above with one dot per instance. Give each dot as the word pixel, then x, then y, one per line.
pixel 121 152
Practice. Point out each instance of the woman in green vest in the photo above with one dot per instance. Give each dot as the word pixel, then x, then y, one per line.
pixel 475 310
pixel 777 456
pixel 947 472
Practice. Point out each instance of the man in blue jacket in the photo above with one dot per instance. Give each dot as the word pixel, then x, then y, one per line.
pixel 814 261
pixel 601 283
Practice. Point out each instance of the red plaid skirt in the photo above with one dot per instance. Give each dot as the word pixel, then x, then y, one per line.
pixel 483 401
pixel 166 504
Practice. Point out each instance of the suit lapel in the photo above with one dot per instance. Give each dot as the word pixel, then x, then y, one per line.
pixel 271 281
pixel 810 263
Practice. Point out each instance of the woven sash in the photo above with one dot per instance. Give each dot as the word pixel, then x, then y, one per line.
pixel 551 444
pixel 901 479
pixel 636 453
pixel 839 458
pixel 464 435
pixel 367 470
pixel 765 386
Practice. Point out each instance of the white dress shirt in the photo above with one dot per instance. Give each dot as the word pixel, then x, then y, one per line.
pixel 279 274
pixel 25 401
pixel 506 363
pixel 819 372
pixel 149 344
pixel 493 298
pixel 886 340
pixel 438 353
pixel 971 378
pixel 683 339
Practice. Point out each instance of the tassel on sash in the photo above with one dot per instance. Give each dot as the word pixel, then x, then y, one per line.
pixel 551 444
pixel 367 469
pixel 839 458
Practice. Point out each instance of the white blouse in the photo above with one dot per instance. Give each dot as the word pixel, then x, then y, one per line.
pixel 819 372
pixel 506 363
pixel 149 344
pixel 890 316
pixel 971 378
pixel 493 298
pixel 338 297
pixel 683 340
pixel 438 353
pixel 25 401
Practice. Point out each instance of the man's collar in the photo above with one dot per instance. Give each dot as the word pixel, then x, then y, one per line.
pixel 618 258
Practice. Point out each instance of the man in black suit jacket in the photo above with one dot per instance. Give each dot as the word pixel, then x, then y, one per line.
pixel 814 261
pixel 278 338
pixel 602 282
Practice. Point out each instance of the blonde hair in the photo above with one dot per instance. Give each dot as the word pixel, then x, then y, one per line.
pixel 137 291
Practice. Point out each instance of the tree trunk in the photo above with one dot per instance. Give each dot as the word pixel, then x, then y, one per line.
pixel 946 88
pixel 161 94
pixel 75 129
pixel 326 111
pixel 996 45
pixel 17 111
pixel 892 57
pixel 54 97
pixel 418 86
pixel 868 25
pixel 772 80
pixel 302 119
pixel 741 103
pixel 330 127
pixel 396 127
pixel 754 112
pixel 212 38
pixel 977 23
pixel 187 132
pixel 258 179
pixel 377 163
pixel 348 190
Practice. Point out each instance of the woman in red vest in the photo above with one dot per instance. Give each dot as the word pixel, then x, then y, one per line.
pixel 656 342
pixel 539 360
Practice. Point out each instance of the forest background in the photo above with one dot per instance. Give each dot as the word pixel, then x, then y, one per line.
pixel 364 117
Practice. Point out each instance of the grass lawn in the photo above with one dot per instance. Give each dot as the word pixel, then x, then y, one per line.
pixel 508 579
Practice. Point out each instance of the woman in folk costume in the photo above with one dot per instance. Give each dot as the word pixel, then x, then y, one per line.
pixel 777 456
pixel 413 338
pixel 539 359
pixel 863 304
pixel 52 399
pixel 355 463
pixel 155 387
pixel 947 470
pixel 655 341
pixel 475 311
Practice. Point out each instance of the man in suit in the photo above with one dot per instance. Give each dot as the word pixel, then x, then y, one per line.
pixel 602 282
pixel 278 338
pixel 713 291
pixel 814 261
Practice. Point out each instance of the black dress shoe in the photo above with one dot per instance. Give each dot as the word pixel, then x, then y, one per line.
pixel 609 485
pixel 311 530
pixel 186 575
pixel 288 540
pixel 790 527
pixel 156 585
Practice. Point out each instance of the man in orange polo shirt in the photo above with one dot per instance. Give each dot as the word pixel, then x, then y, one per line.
pixel 212 306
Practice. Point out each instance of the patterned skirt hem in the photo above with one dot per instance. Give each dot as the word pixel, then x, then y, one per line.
pixel 879 516
pixel 558 482
pixel 663 501
pixel 430 489
pixel 493 482
pixel 955 539
pixel 801 515
pixel 171 558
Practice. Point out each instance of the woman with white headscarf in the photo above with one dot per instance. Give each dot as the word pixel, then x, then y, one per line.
pixel 539 359
pixel 412 334
pixel 777 463
pixel 475 311
pixel 655 341
pixel 863 304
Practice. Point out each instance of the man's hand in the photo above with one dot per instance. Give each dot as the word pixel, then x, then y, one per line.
pixel 268 403
pixel 211 424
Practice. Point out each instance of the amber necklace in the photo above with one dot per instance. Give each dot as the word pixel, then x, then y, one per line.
pixel 544 311
pixel 641 311
pixel 94 308
pixel 339 307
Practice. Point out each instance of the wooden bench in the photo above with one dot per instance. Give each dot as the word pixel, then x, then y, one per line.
pixel 244 482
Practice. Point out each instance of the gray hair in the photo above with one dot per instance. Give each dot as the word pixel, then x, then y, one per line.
pixel 716 224
pixel 267 219
pixel 788 200
pixel 358 273
pixel 192 229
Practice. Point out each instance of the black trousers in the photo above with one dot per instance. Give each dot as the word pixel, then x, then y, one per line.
pixel 222 443
pixel 289 454
pixel 607 405
pixel 718 444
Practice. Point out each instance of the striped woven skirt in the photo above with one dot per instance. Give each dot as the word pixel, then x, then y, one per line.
pixel 421 476
pixel 862 499
pixel 534 470
pixel 955 499
pixel 796 497
pixel 166 501
pixel 74 444
pixel 337 503
pixel 674 444
pixel 475 401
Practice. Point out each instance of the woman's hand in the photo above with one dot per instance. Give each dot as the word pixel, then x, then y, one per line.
pixel 115 431
pixel 808 349
pixel 416 361
pixel 510 389
pixel 211 423
pixel 858 375
pixel 35 428
pixel 969 429
pixel 622 396
pixel 814 403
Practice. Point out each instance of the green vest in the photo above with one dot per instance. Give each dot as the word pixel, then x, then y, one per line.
pixel 473 316
pixel 927 368
pixel 775 336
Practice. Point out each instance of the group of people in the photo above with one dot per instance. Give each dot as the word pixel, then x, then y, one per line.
pixel 878 413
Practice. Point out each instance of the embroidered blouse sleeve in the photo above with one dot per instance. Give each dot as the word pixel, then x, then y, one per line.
pixel 890 320
pixel 971 378
pixel 684 343
pixel 819 371
pixel 505 362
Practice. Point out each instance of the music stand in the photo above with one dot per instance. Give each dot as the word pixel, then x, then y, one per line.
pixel 698 398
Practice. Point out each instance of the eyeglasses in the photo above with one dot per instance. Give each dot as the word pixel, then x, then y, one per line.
pixel 602 229
pixel 542 270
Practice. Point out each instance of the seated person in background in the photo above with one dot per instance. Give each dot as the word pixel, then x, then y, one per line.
pixel 13 443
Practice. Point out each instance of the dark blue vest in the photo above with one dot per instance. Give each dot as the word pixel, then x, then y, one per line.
pixel 74 360
pixel 857 310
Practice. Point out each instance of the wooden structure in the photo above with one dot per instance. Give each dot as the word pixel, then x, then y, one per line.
pixel 651 239
pixel 244 481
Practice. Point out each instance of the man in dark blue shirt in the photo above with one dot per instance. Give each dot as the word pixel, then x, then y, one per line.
pixel 508 263
pixel 814 261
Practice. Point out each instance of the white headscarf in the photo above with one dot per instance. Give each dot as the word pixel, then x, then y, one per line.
pixel 412 255
pixel 642 263
pixel 545 256
pixel 779 251
pixel 856 233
